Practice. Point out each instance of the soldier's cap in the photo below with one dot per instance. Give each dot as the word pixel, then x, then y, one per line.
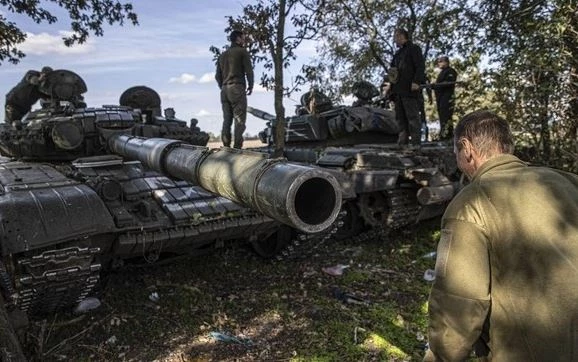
pixel 46 69
pixel 443 58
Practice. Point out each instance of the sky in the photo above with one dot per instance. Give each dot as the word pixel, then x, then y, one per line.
pixel 168 51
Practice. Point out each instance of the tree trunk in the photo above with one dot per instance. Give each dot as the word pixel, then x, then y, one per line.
pixel 278 63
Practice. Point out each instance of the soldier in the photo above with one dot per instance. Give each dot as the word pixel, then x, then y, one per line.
pixel 444 89
pixel 507 261
pixel 22 97
pixel 407 72
pixel 235 79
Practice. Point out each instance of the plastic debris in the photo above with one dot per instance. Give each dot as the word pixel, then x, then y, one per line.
pixel 429 275
pixel 348 297
pixel 335 270
pixel 112 340
pixel 154 297
pixel 431 255
pixel 222 337
pixel 86 305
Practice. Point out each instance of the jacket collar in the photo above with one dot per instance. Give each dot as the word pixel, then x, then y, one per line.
pixel 496 162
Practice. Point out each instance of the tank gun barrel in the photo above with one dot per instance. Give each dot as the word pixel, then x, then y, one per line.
pixel 261 114
pixel 304 197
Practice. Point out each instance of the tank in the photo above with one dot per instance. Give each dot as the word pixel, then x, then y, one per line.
pixel 84 190
pixel 385 186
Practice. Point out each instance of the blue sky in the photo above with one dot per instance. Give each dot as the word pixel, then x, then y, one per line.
pixel 168 51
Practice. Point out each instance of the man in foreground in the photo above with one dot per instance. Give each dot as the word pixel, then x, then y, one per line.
pixel 234 76
pixel 24 95
pixel 507 270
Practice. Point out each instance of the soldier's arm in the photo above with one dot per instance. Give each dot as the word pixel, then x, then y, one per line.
pixel 248 67
pixel 460 298
pixel 219 74
pixel 419 64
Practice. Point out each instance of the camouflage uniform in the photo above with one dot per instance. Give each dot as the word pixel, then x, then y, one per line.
pixel 507 267
pixel 233 66
pixel 22 97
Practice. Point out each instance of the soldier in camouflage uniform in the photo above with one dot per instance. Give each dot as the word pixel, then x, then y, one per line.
pixel 507 262
pixel 22 97
pixel 235 79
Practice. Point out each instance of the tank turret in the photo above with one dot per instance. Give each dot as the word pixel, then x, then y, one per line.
pixel 65 128
pixel 86 190
pixel 385 186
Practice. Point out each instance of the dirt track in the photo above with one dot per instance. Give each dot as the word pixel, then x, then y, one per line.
pixel 246 144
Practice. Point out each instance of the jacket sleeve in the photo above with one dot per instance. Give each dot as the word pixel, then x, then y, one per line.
pixel 460 298
pixel 218 73
pixel 248 69
pixel 419 64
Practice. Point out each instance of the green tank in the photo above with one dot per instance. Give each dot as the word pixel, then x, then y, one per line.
pixel 83 190
pixel 385 187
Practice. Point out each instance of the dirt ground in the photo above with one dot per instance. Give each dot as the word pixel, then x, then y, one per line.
pixel 231 305
pixel 246 144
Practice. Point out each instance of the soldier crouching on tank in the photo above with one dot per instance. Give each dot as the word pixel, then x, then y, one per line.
pixel 22 97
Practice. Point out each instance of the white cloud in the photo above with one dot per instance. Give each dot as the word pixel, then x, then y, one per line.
pixel 203 113
pixel 207 78
pixel 258 88
pixel 184 78
pixel 44 43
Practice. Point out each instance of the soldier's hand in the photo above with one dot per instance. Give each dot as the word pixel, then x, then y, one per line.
pixel 249 91
pixel 414 86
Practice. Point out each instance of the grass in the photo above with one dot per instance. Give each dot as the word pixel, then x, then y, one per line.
pixel 281 311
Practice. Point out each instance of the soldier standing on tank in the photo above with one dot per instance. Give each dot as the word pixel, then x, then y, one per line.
pixel 506 274
pixel 444 89
pixel 22 97
pixel 235 79
pixel 406 73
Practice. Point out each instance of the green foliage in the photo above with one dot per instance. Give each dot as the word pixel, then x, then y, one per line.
pixel 519 58
pixel 536 84
pixel 86 17
pixel 358 37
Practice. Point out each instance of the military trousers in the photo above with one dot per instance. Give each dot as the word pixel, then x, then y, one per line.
pixel 445 106
pixel 234 104
pixel 408 116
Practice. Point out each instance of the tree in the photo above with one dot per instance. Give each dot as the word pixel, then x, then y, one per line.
pixel 535 45
pixel 86 17
pixel 274 45
pixel 358 36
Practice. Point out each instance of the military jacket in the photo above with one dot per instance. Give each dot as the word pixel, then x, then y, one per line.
pixel 234 66
pixel 410 65
pixel 447 74
pixel 507 266
pixel 25 93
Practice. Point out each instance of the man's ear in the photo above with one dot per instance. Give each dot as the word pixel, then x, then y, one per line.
pixel 467 147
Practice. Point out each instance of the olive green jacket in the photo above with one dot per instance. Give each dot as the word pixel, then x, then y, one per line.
pixel 507 266
pixel 233 66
